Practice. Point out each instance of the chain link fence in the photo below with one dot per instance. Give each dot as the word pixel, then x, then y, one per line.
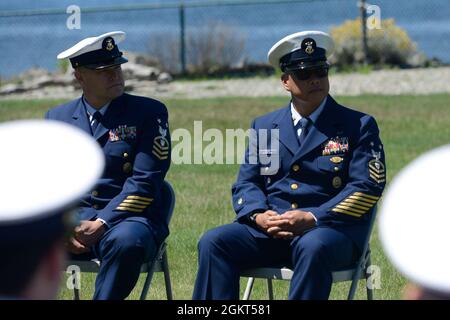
pixel 197 36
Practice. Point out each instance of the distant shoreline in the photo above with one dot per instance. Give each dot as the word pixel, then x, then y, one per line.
pixel 36 40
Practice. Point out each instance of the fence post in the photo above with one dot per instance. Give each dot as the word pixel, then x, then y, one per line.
pixel 182 39
pixel 362 7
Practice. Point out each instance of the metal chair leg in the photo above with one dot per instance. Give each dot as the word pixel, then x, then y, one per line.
pixel 361 267
pixel 248 289
pixel 354 285
pixel 270 289
pixel 165 267
pixel 76 290
pixel 148 280
pixel 369 287
pixel 150 271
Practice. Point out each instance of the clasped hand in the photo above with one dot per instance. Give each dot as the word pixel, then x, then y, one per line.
pixel 287 225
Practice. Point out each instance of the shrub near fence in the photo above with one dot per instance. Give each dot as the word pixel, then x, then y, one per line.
pixel 389 45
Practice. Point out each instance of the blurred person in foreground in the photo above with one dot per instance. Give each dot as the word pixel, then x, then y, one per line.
pixel 49 166
pixel 414 223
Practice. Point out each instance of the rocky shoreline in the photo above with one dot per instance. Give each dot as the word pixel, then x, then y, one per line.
pixel 149 81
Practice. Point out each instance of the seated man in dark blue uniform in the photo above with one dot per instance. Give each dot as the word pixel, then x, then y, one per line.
pixel 309 206
pixel 38 196
pixel 122 221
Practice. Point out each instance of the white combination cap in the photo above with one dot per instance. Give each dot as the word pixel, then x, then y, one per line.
pixel 96 52
pixel 301 50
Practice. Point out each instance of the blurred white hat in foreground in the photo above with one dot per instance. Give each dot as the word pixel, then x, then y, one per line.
pixel 45 168
pixel 415 220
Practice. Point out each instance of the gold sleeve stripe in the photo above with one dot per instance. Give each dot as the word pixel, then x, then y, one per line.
pixel 351 209
pixel 346 212
pixel 366 196
pixel 378 176
pixel 161 152
pixel 129 209
pixel 140 198
pixel 131 205
pixel 138 202
pixel 363 200
pixel 160 157
pixel 353 206
pixel 356 204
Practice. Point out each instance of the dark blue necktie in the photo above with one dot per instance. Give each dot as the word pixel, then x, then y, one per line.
pixel 96 118
pixel 302 124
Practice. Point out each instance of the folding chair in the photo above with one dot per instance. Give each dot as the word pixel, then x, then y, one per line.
pixel 159 264
pixel 359 271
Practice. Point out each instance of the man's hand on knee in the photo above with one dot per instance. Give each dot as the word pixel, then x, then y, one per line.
pixel 89 232
pixel 75 247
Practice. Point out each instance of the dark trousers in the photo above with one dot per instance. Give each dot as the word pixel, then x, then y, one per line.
pixel 122 250
pixel 224 251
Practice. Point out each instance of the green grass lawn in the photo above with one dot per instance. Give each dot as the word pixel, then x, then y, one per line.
pixel 409 126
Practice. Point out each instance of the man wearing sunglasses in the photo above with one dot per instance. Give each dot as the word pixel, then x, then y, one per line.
pixel 312 212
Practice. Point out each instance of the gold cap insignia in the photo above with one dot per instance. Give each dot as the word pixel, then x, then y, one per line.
pixel 109 44
pixel 309 48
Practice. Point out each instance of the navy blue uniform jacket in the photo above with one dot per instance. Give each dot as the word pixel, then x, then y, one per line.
pixel 135 138
pixel 338 173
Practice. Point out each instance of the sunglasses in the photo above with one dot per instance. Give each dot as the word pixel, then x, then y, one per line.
pixel 306 74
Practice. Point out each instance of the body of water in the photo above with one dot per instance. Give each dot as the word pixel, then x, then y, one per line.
pixel 27 41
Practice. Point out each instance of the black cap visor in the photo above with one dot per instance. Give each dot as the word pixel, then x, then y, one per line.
pixel 302 65
pixel 106 64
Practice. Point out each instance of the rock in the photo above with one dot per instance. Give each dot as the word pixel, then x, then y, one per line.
pixel 164 77
pixel 48 80
pixel 11 88
pixel 33 73
pixel 417 60
pixel 139 58
pixel 139 72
